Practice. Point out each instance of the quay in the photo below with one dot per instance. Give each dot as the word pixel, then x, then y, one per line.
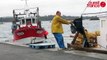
pixel 15 52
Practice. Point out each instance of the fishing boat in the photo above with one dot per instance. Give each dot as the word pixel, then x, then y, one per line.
pixel 102 38
pixel 28 26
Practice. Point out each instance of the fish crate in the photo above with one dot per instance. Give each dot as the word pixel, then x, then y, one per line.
pixel 42 45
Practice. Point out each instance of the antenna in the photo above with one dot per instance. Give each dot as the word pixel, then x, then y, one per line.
pixel 26 4
pixel 26 8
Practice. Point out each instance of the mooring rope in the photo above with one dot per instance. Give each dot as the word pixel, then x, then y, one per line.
pixel 102 46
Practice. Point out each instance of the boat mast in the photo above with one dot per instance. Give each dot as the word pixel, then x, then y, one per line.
pixel 26 11
pixel 26 4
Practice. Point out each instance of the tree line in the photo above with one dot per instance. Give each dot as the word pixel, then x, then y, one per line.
pixel 49 18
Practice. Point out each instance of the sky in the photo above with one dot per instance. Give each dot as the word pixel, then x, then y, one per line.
pixel 49 7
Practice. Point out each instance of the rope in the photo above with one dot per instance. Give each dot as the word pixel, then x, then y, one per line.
pixel 102 46
pixel 84 10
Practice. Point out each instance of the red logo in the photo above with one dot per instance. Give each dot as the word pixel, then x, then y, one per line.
pixel 96 4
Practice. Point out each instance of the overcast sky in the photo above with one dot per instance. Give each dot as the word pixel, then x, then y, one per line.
pixel 49 7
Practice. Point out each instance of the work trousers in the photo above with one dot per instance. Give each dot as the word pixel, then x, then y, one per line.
pixel 59 39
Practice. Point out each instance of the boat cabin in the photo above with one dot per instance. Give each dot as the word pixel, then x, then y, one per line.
pixel 26 17
pixel 25 21
pixel 102 39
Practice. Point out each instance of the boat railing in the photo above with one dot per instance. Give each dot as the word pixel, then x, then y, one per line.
pixel 98 14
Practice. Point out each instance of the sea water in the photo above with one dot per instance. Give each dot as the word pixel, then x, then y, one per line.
pixel 90 25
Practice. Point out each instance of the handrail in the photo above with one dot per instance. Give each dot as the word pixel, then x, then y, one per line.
pixel 94 13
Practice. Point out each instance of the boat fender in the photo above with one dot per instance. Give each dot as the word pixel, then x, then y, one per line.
pixel 46 33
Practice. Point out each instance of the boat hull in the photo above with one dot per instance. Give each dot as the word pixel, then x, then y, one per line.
pixel 26 32
pixel 29 40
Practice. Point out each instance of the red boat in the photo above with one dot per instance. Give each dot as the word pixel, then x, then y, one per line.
pixel 28 25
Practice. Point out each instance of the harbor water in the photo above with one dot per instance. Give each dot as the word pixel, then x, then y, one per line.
pixel 90 25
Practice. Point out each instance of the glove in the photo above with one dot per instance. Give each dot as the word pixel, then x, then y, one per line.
pixel 71 21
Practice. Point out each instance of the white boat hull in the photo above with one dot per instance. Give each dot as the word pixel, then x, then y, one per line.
pixel 29 40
